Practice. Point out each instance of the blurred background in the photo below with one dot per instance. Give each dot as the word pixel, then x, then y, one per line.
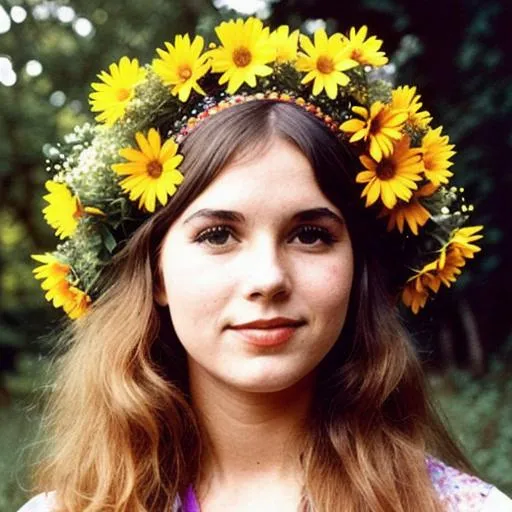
pixel 455 51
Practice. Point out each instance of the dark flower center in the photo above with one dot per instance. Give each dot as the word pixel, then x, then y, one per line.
pixel 385 170
pixel 154 169
pixel 325 64
pixel 242 57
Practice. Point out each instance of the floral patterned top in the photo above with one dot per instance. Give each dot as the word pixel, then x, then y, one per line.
pixel 458 491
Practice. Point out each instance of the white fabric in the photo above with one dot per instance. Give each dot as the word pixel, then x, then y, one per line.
pixel 495 502
pixel 41 503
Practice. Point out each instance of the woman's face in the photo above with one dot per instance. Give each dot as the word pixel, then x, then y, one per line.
pixel 257 273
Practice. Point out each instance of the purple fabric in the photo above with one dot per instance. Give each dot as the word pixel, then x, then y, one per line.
pixel 457 491
pixel 190 503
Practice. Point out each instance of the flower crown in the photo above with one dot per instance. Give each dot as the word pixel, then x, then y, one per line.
pixel 110 176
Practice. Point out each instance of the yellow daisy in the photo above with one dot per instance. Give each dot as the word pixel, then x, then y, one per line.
pixel 152 170
pixel 324 61
pixel 393 177
pixel 244 53
pixel 413 213
pixel 365 52
pixel 64 209
pixel 405 98
pixel 78 303
pixel 443 270
pixel 413 298
pixel 59 290
pixel 380 127
pixel 285 44
pixel 51 272
pixel 113 95
pixel 461 241
pixel 436 156
pixel 74 301
pixel 182 65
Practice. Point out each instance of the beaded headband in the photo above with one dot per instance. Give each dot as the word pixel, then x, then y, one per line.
pixel 118 171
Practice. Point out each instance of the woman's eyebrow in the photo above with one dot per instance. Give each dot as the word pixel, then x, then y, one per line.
pixel 312 214
pixel 216 215
pixel 315 214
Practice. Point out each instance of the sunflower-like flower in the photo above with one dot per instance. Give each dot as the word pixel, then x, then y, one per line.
pixel 285 44
pixel 413 213
pixel 324 61
pixel 365 52
pixel 74 301
pixel 182 65
pixel 59 290
pixel 436 156
pixel 414 298
pixel 462 239
pixel 64 210
pixel 405 98
pixel 115 90
pixel 393 177
pixel 244 53
pixel 51 272
pixel 380 127
pixel 152 170
pixel 445 269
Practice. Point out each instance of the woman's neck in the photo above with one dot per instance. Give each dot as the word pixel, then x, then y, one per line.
pixel 249 436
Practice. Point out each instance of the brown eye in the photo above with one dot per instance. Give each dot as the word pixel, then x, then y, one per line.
pixel 310 235
pixel 217 235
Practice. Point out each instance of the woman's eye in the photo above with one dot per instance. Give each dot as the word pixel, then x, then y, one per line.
pixel 217 235
pixel 310 235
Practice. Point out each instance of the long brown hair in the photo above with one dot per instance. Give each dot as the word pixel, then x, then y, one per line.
pixel 123 435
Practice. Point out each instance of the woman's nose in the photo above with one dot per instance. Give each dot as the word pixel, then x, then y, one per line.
pixel 266 275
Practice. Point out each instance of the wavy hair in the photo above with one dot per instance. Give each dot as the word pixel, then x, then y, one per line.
pixel 122 433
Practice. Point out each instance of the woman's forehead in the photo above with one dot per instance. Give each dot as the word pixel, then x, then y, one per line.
pixel 280 176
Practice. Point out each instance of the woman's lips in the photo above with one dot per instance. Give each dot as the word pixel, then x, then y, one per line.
pixel 267 337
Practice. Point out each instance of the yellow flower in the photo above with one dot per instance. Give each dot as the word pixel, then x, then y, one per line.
pixel 113 95
pixel 59 290
pixel 393 177
pixel 75 302
pixel 443 270
pixel 64 209
pixel 405 98
pixel 244 53
pixel 52 272
pixel 182 65
pixel 380 127
pixel 324 61
pixel 285 44
pixel 461 241
pixel 365 52
pixel 436 156
pixel 413 298
pixel 152 170
pixel 413 213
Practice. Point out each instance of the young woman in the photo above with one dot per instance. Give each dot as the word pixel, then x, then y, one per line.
pixel 245 352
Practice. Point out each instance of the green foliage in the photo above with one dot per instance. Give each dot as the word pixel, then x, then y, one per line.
pixel 480 414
